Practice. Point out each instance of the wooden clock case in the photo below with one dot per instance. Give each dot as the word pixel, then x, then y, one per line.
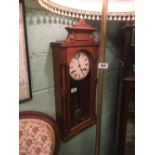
pixel 126 135
pixel 75 100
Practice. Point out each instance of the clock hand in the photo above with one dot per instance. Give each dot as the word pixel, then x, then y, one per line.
pixel 81 69
pixel 80 66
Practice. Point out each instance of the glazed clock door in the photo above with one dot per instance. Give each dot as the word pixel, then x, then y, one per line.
pixel 80 72
pixel 126 130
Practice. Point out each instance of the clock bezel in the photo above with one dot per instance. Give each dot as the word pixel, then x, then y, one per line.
pixel 88 57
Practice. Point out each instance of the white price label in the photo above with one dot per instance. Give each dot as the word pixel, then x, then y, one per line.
pixel 73 90
pixel 103 65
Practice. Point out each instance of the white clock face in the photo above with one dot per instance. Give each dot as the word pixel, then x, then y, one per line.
pixel 79 66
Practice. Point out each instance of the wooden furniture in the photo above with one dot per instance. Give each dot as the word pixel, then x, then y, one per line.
pixel 38 134
pixel 75 69
pixel 127 118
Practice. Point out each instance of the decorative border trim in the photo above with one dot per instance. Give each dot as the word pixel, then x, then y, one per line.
pixel 90 15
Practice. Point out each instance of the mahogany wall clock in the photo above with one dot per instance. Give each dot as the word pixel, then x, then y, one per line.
pixel 75 76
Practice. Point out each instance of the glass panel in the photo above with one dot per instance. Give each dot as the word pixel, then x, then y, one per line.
pixel 130 134
pixel 80 99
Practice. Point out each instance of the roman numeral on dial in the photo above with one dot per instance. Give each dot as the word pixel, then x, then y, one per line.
pixel 79 66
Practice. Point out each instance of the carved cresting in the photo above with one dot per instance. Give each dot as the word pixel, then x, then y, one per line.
pixel 81 31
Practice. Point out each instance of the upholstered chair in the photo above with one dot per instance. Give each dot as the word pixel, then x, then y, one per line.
pixel 38 134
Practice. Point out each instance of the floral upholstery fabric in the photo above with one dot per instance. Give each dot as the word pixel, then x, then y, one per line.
pixel 36 137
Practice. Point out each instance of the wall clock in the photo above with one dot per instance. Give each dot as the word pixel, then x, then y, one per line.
pixel 79 66
pixel 75 77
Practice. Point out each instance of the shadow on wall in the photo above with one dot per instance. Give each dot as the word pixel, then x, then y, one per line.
pixel 45 17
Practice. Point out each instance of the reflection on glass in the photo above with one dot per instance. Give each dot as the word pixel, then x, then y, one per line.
pixel 80 100
pixel 130 134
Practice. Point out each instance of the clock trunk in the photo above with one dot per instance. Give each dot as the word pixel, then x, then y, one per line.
pixel 80 100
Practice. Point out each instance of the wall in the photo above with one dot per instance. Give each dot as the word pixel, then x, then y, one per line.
pixel 43 28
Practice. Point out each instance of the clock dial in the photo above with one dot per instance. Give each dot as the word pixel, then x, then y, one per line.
pixel 79 66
